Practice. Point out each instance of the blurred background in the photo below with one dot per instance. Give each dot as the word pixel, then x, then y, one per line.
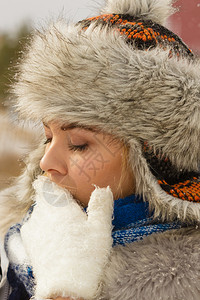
pixel 17 20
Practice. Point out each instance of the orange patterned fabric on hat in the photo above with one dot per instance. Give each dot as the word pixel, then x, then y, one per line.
pixel 144 34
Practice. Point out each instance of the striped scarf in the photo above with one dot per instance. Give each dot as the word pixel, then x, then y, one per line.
pixel 132 221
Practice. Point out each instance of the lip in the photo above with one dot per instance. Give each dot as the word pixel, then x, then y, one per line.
pixel 56 177
pixel 64 181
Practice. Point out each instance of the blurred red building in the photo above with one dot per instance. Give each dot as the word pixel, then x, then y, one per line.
pixel 186 23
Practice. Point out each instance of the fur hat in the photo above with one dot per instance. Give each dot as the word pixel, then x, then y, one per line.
pixel 127 74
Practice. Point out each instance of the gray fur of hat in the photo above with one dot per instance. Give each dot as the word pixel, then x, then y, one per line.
pixel 93 77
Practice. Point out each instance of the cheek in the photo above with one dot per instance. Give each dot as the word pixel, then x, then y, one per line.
pixel 84 169
pixel 100 169
pixel 112 173
pixel 81 172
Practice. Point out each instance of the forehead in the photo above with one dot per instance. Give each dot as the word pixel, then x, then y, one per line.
pixel 69 126
pixel 96 133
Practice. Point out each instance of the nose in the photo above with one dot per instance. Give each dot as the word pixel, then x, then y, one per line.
pixel 54 160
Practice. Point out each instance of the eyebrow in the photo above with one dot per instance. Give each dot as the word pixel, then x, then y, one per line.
pixel 73 126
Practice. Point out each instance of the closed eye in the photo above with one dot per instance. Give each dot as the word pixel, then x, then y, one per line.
pixel 78 147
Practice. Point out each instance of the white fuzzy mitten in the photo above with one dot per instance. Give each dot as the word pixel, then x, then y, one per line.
pixel 68 248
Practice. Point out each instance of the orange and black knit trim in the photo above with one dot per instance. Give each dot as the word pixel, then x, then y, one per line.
pixel 143 33
pixel 187 190
pixel 178 183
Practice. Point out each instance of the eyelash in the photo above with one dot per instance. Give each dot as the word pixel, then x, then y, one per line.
pixel 80 148
pixel 71 146
pixel 47 141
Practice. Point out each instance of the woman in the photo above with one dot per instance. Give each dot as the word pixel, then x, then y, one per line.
pixel 118 95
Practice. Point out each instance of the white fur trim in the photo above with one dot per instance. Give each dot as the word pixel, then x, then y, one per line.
pixel 16 200
pixel 4 264
pixel 16 251
pixel 156 10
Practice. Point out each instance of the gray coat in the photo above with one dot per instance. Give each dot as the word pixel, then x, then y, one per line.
pixel 162 266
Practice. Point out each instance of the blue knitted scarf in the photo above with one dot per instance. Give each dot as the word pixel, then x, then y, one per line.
pixel 132 221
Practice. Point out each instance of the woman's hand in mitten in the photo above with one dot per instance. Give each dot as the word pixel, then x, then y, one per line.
pixel 68 248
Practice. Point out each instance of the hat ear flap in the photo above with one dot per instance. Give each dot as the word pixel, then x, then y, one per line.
pixel 163 204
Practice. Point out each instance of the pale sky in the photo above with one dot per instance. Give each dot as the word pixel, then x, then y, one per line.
pixel 14 12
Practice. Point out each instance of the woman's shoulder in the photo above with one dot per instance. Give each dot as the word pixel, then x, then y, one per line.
pixel 157 267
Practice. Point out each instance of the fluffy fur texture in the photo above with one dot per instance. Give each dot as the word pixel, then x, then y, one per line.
pixel 16 200
pixel 59 233
pixel 95 78
pixel 162 266
pixel 156 10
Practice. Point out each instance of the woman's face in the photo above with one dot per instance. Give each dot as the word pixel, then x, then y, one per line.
pixel 77 159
